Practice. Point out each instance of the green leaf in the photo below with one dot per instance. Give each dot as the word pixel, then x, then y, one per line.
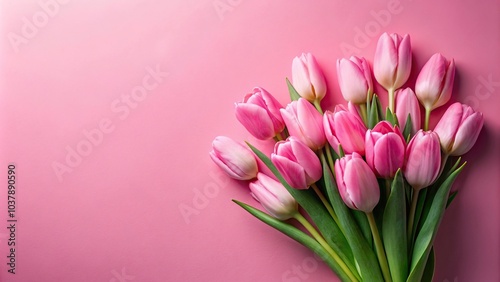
pixel 394 230
pixel 294 95
pixel 390 117
pixel 365 257
pixel 451 198
pixel 408 129
pixel 374 112
pixel 364 226
pixel 298 236
pixel 318 213
pixel 425 238
pixel 429 268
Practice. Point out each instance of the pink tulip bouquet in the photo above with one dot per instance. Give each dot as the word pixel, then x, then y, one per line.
pixel 364 189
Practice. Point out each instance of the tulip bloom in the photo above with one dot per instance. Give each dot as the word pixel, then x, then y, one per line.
pixel 355 79
pixel 233 158
pixel 297 163
pixel 407 104
pixel 345 127
pixel 392 61
pixel 260 114
pixel 435 82
pixel 357 184
pixel 308 79
pixel 423 159
pixel 274 197
pixel 385 149
pixel 458 129
pixel 304 122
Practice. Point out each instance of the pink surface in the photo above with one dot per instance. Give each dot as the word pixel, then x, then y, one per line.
pixel 140 88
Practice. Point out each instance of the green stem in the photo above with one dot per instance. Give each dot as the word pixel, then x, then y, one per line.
pixel 388 184
pixel 391 99
pixel 413 208
pixel 427 117
pixel 325 245
pixel 317 104
pixel 326 203
pixel 364 114
pixel 330 158
pixel 379 248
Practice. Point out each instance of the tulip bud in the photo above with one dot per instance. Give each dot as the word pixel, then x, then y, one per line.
pixel 304 122
pixel 392 61
pixel 458 129
pixel 423 159
pixel 233 158
pixel 355 79
pixel 308 79
pixel 356 182
pixel 297 163
pixel 435 82
pixel 274 197
pixel 407 104
pixel 345 127
pixel 260 114
pixel 385 149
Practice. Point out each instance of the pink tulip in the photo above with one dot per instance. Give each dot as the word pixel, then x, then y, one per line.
pixel 260 114
pixel 308 79
pixel 385 149
pixel 355 79
pixel 458 129
pixel 392 61
pixel 435 82
pixel 356 182
pixel 423 159
pixel 233 158
pixel 407 104
pixel 345 127
pixel 274 197
pixel 297 163
pixel 304 122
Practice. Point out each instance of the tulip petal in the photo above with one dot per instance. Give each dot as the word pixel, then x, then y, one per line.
pixel 256 120
pixel 308 160
pixel 467 134
pixel 404 62
pixel 385 61
pixel 293 173
pixel 448 125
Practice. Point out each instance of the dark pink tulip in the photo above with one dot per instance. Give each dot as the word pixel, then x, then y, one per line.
pixel 260 114
pixel 297 163
pixel 407 104
pixel 423 159
pixel 392 61
pixel 434 83
pixel 274 197
pixel 355 79
pixel 307 77
pixel 304 122
pixel 234 158
pixel 345 127
pixel 458 129
pixel 357 183
pixel 385 149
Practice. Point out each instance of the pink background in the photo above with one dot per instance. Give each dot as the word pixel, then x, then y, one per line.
pixel 115 214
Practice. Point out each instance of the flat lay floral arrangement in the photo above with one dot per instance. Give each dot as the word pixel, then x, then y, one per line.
pixel 362 187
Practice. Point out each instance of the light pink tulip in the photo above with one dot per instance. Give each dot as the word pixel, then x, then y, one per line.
pixel 304 122
pixel 385 149
pixel 434 83
pixel 308 79
pixel 423 159
pixel 458 129
pixel 355 79
pixel 407 104
pixel 392 61
pixel 345 127
pixel 297 163
pixel 234 158
pixel 274 197
pixel 260 114
pixel 357 183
